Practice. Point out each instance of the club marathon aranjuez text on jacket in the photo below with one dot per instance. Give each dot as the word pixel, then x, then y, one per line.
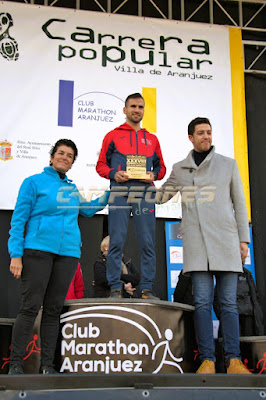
pixel 50 207
pixel 124 141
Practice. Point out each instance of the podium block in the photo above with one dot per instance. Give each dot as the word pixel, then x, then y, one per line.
pixel 126 336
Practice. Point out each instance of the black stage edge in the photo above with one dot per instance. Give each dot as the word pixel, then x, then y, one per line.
pixel 132 386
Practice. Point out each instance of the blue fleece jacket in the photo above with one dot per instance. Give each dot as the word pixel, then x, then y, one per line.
pixel 50 207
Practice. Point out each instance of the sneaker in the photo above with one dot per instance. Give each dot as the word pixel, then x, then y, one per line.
pixel 116 294
pixel 147 294
pixel 48 370
pixel 15 369
pixel 236 366
pixel 207 367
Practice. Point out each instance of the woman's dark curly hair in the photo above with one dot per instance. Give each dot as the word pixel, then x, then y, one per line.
pixel 64 142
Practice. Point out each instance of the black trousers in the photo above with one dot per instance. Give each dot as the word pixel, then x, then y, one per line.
pixel 45 280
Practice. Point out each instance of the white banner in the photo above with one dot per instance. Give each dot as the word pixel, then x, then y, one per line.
pixel 66 74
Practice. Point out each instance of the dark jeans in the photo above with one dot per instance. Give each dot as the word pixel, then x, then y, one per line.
pixel 203 298
pixel 45 280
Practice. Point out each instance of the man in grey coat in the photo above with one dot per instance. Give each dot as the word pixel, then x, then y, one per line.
pixel 215 234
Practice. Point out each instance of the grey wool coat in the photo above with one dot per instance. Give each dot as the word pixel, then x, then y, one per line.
pixel 214 215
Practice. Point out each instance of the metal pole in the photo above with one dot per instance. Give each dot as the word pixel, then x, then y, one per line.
pixel 170 9
pixel 211 11
pixel 140 8
pixel 182 10
pixel 240 12
pixel 109 6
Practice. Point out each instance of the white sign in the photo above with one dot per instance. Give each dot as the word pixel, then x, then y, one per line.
pixel 66 74
pixel 176 255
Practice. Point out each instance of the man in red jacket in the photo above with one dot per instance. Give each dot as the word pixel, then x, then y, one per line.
pixel 131 191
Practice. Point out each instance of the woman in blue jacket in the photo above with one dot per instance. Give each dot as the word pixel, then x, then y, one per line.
pixel 46 255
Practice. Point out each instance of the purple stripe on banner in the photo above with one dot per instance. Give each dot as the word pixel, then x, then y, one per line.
pixel 65 107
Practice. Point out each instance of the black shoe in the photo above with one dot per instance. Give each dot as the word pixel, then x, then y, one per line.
pixel 147 294
pixel 15 369
pixel 116 294
pixel 48 370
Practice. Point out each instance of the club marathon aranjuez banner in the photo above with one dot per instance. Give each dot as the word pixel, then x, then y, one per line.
pixel 66 74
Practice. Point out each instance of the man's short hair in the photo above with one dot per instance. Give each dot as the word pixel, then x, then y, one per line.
pixel 134 96
pixel 197 121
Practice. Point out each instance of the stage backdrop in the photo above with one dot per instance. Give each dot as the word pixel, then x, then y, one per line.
pixel 66 74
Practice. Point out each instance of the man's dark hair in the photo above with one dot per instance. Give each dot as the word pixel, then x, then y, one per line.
pixel 64 142
pixel 134 96
pixel 197 121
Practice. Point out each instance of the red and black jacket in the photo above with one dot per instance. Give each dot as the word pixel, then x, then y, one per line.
pixel 124 141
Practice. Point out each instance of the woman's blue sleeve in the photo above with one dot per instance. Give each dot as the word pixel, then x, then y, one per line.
pixel 88 209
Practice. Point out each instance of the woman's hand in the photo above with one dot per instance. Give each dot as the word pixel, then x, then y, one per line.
pixel 16 267
pixel 128 288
